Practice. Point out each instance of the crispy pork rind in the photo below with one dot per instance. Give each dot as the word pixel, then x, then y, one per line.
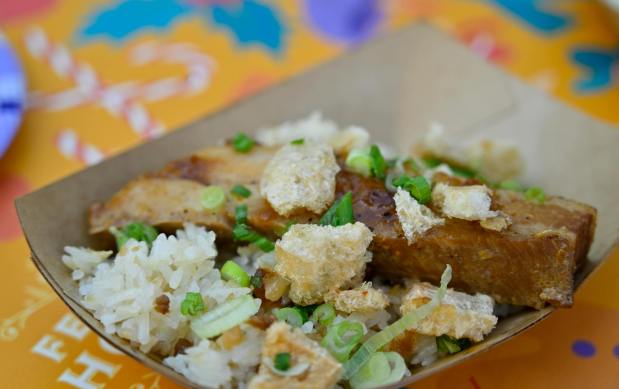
pixel 460 315
pixel 320 259
pixel 321 369
pixel 364 299
pixel 300 176
pixel 415 218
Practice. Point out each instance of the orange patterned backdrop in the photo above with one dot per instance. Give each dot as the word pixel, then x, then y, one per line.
pixel 105 75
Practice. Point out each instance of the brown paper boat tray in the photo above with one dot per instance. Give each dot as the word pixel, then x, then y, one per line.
pixel 394 86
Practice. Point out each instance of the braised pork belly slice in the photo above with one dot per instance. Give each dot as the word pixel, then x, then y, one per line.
pixel 531 262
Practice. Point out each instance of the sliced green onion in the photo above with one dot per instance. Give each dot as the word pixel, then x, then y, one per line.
pixel 231 271
pixel 225 316
pixel 138 231
pixel 256 281
pixel 290 315
pixel 323 315
pixel 432 162
pixel 360 162
pixel 213 197
pixel 264 244
pixel 299 141
pixel 461 171
pixel 192 304
pixel 292 371
pixel 240 191
pixel 383 368
pixel 378 340
pixel 242 143
pixel 411 164
pixel 306 310
pixel 379 166
pixel 448 345
pixel 418 187
pixel 240 214
pixel 512 185
pixel 445 344
pixel 243 233
pixel 281 361
pixel 342 338
pixel 535 194
pixel 340 213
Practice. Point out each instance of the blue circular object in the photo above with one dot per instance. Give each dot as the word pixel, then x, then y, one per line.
pixel 616 351
pixel 12 94
pixel 583 348
pixel 346 21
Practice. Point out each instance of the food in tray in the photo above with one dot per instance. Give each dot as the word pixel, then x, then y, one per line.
pixel 343 256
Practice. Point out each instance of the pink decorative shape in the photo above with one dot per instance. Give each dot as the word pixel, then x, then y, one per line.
pixel 13 10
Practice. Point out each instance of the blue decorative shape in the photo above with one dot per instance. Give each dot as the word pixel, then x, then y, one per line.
pixel 251 22
pixel 122 20
pixel 616 351
pixel 12 94
pixel 583 348
pixel 346 21
pixel 531 13
pixel 10 106
pixel 598 65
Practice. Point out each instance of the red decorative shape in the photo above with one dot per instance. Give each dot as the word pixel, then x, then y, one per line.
pixel 12 10
pixel 10 187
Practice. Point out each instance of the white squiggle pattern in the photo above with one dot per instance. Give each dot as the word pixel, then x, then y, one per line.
pixel 72 147
pixel 122 99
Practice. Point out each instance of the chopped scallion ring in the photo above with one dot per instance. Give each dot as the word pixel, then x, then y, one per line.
pixel 240 191
pixel 323 315
pixel 360 162
pixel 192 304
pixel 213 197
pixel 231 271
pixel 290 315
pixel 242 143
pixel 382 368
pixel 299 141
